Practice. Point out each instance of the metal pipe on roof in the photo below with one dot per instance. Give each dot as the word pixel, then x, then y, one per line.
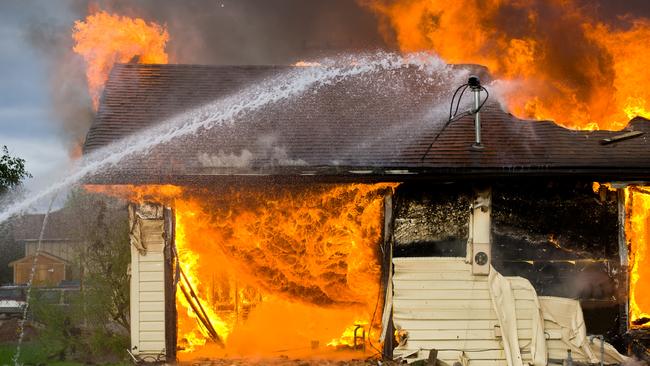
pixel 475 85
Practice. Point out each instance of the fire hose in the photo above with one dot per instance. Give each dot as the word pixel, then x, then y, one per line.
pixel 197 307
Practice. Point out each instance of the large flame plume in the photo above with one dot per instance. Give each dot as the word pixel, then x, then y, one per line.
pixel 554 59
pixel 289 270
pixel 104 39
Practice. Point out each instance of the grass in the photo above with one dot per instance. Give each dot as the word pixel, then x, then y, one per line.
pixel 31 354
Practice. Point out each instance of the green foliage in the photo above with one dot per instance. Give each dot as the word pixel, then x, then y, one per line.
pixel 12 171
pixel 93 324
pixel 32 354
pixel 103 225
pixel 10 250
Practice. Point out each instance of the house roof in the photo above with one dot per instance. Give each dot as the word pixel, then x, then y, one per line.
pixel 28 227
pixel 43 254
pixel 378 125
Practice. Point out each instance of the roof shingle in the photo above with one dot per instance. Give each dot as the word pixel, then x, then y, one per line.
pixel 379 124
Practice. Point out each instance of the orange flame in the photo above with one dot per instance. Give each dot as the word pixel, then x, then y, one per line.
pixel 554 59
pixel 637 229
pixel 104 39
pixel 279 271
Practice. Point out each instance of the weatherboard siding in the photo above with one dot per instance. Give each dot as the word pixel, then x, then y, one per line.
pixel 443 306
pixel 148 292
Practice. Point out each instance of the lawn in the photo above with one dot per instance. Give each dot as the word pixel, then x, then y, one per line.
pixel 32 355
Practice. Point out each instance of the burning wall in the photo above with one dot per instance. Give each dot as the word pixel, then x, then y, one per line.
pixel 637 228
pixel 286 270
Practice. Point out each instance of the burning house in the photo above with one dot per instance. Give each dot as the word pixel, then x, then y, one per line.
pixel 352 221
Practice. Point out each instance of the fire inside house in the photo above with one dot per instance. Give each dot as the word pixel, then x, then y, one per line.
pixel 353 222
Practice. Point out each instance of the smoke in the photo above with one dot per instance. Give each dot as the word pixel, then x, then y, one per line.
pixel 201 32
pixel 71 105
pixel 257 31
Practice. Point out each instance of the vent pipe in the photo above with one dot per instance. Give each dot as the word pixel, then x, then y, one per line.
pixel 475 86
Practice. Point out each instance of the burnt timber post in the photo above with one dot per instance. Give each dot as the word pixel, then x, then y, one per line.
pixel 170 284
pixel 388 327
pixel 623 276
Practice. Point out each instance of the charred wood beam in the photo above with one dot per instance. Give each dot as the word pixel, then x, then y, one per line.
pixel 171 317
pixel 387 272
pixel 198 309
pixel 621 137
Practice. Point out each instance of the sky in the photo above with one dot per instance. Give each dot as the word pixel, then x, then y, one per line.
pixel 27 125
pixel 45 109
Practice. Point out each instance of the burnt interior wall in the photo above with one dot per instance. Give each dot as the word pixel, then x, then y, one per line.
pixel 431 220
pixel 563 238
pixel 559 235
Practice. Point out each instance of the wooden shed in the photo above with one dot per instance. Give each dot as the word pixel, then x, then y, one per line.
pixel 50 270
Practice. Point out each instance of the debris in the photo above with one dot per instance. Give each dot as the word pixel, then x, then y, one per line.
pixel 617 138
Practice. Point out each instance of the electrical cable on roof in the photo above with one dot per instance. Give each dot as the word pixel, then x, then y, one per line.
pixel 453 116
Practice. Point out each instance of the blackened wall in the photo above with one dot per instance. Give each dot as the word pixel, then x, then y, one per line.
pixel 563 238
pixel 560 235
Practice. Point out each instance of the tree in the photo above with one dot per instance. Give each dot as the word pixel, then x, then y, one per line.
pixel 12 171
pixel 95 325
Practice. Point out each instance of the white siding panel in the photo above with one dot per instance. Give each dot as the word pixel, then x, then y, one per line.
pixel 444 276
pixel 151 267
pixel 443 306
pixel 481 354
pixel 148 336
pixel 154 326
pixel 152 316
pixel 151 276
pixel 475 314
pixel 435 285
pixel 149 290
pixel 151 297
pixel 467 344
pixel 472 294
pixel 153 348
pixel 152 257
pixel 158 286
pixel 436 334
pixel 153 306
pixel 458 324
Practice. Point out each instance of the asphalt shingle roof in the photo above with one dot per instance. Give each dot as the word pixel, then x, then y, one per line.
pixel 377 125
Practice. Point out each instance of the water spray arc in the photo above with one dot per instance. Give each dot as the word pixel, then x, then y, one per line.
pixel 228 110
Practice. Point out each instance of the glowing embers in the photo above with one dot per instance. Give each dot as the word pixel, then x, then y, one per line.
pixel 637 228
pixel 281 271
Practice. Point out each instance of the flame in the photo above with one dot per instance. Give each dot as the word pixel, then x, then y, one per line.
pixel 164 193
pixel 554 59
pixel 347 339
pixel 279 270
pixel 307 64
pixel 637 229
pixel 104 39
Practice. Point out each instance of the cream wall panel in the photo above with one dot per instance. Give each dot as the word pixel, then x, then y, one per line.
pixel 148 291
